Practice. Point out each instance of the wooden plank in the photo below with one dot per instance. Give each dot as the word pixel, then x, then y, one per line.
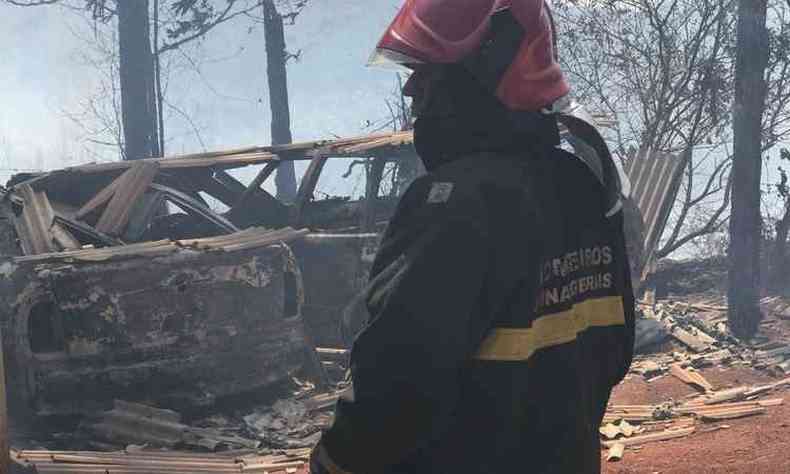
pixel 733 414
pixel 126 461
pixel 159 462
pixel 256 183
pixel 269 467
pixel 121 469
pixel 243 237
pixel 727 395
pixel 229 181
pixel 307 188
pixel 102 197
pixel 615 452
pixel 691 376
pixel 650 438
pixel 63 237
pixel 116 214
pixel 206 182
pixel 266 240
pixel 37 217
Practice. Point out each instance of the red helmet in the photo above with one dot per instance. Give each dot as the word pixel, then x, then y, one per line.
pixel 508 44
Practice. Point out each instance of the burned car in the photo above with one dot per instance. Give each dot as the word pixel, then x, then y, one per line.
pixel 170 282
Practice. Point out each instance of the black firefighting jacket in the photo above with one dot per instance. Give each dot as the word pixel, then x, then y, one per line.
pixel 501 316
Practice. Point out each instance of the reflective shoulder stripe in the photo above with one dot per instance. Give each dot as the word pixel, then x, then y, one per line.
pixel 509 344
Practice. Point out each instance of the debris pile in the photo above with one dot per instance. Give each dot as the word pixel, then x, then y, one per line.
pixel 635 425
pixel 291 423
pixel 132 423
pixel 287 424
pixel 698 325
pixel 692 335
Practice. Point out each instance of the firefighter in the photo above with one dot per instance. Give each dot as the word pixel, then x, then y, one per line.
pixel 500 308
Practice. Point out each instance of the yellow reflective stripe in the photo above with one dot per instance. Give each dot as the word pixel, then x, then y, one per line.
pixel 510 344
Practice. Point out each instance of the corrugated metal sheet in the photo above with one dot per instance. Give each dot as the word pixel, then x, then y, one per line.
pixel 654 185
pixel 156 462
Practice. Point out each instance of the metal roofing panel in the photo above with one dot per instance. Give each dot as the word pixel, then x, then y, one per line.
pixel 654 179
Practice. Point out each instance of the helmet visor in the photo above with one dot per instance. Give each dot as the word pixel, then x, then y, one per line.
pixel 390 59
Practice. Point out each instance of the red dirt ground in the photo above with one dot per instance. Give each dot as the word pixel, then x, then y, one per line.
pixel 754 445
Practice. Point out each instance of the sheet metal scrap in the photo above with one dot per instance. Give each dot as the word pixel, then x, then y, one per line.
pixel 655 179
pixel 670 410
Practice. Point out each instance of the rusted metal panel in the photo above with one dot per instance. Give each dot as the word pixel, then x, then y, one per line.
pixel 180 329
pixel 655 179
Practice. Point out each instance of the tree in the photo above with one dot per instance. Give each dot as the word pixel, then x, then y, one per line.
pixel 778 270
pixel 202 17
pixel 663 69
pixel 138 81
pixel 142 99
pixel 659 68
pixel 277 57
pixel 778 97
pixel 752 56
pixel 136 71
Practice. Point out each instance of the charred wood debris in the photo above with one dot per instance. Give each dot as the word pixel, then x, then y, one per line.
pixel 154 340
pixel 682 332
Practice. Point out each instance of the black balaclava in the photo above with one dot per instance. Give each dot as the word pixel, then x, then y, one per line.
pixel 460 117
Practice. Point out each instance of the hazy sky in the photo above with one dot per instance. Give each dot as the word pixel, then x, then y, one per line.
pixel 43 76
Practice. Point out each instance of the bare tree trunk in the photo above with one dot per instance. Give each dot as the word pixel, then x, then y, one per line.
pixel 160 120
pixel 137 81
pixel 745 236
pixel 278 96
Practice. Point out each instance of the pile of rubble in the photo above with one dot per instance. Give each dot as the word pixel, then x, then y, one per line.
pixel 694 339
pixel 635 425
pixel 698 325
pixel 688 335
pixel 274 437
